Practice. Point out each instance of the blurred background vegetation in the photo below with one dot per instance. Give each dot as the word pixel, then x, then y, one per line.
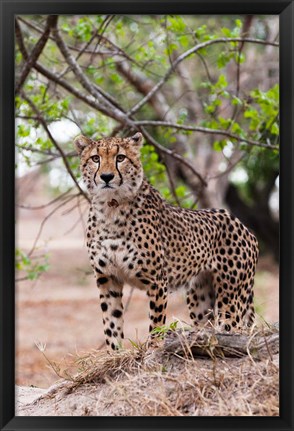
pixel 203 90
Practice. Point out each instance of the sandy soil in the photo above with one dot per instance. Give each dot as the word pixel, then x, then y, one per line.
pixel 60 312
pixel 158 383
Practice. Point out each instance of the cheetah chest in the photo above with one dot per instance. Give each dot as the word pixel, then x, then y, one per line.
pixel 112 251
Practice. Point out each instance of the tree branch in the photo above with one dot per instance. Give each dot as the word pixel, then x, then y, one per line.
pixel 38 207
pixel 176 156
pixel 91 102
pixel 65 201
pixel 56 145
pixel 143 85
pixel 94 35
pixel 187 54
pixel 172 184
pixel 112 111
pixel 36 52
pixel 205 130
pixel 63 83
pixel 208 342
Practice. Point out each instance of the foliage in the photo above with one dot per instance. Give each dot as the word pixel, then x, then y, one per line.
pixel 203 83
pixel 166 35
pixel 161 331
pixel 153 168
pixel 32 267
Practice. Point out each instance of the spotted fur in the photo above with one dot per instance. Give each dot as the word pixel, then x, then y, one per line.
pixel 134 236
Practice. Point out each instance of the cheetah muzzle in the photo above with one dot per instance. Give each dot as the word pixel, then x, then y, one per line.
pixel 134 236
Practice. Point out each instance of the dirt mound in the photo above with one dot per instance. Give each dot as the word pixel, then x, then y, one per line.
pixel 204 374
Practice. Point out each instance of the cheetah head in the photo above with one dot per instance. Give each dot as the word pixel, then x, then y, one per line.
pixel 111 167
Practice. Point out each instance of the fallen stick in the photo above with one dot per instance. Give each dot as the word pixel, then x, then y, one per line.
pixel 208 342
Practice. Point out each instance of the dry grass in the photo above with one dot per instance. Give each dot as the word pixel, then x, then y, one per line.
pixel 98 366
pixel 155 382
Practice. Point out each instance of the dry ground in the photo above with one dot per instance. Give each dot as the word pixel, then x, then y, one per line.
pixel 155 382
pixel 61 309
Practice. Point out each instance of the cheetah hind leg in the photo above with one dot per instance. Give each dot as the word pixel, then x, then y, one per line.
pixel 233 310
pixel 201 298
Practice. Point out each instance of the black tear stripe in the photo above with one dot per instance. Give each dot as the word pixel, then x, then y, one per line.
pixel 96 174
pixel 97 168
pixel 120 175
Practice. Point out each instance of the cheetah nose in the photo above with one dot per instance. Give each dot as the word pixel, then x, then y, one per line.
pixel 107 177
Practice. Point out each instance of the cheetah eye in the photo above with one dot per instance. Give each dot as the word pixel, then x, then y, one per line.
pixel 120 158
pixel 95 159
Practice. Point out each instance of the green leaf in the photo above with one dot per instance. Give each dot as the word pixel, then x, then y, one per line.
pixel 239 57
pixel 201 32
pixel 171 47
pixel 224 122
pixel 23 131
pixel 236 101
pixel 33 268
pixel 210 109
pixel 222 82
pixel 181 191
pixel 275 129
pixel 236 129
pixel 176 24
pixel 226 32
pixel 222 60
pixel 184 41
pixel 238 23
pixel 32 275
pixel 219 145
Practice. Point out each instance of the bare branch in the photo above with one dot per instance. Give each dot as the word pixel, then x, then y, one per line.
pixel 80 219
pixel 176 156
pixel 91 102
pixel 56 145
pixel 105 103
pixel 143 85
pixel 88 99
pixel 38 207
pixel 113 48
pixel 205 130
pixel 84 81
pixel 68 199
pixel 36 52
pixel 172 185
pixel 94 35
pixel 19 39
pixel 36 150
pixel 187 54
pixel 208 342
pixel 228 170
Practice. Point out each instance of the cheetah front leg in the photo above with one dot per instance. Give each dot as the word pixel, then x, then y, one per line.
pixel 112 310
pixel 157 305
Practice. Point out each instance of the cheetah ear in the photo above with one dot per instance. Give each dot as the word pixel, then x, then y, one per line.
pixel 137 139
pixel 81 142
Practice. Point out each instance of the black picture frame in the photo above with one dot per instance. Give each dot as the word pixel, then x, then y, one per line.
pixel 10 8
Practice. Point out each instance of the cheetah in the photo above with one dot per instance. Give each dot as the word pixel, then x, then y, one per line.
pixel 134 236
